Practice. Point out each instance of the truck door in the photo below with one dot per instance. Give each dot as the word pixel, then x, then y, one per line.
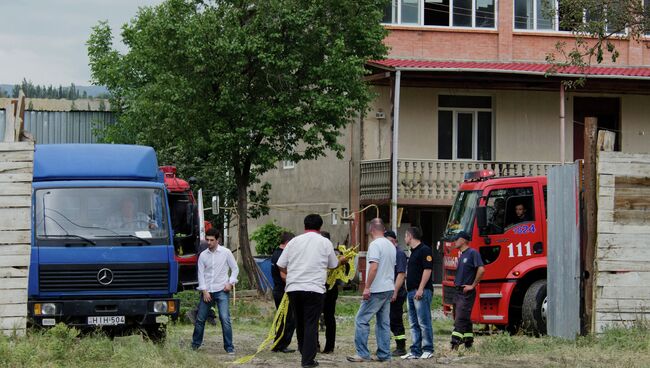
pixel 515 231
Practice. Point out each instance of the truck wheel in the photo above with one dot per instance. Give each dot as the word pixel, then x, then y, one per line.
pixel 156 332
pixel 533 310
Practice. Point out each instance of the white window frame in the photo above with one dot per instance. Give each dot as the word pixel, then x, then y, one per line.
pixel 334 215
pixel 397 18
pixel 454 124
pixel 288 164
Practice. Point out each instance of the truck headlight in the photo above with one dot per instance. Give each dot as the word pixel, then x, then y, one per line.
pixel 45 309
pixel 160 307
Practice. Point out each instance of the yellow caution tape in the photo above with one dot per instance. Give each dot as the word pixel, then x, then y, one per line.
pixel 279 321
pixel 339 273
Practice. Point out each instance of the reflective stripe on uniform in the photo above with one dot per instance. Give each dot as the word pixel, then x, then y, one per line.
pixel 400 337
pixel 468 334
pixel 457 334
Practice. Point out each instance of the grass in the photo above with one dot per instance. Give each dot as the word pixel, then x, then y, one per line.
pixel 65 347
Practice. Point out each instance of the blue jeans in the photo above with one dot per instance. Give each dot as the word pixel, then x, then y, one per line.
pixel 222 302
pixel 420 320
pixel 378 305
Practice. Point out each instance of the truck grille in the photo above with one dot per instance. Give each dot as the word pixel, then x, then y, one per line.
pixel 113 277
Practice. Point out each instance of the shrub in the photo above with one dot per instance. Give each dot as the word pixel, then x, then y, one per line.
pixel 267 238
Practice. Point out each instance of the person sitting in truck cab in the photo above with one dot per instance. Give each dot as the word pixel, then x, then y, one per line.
pixel 521 214
pixel 497 218
pixel 130 219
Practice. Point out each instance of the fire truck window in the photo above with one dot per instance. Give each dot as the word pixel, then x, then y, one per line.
pixel 501 208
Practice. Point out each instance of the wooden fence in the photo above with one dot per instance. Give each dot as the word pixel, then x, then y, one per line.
pixel 622 272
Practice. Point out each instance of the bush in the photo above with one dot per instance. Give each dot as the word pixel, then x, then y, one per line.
pixel 267 238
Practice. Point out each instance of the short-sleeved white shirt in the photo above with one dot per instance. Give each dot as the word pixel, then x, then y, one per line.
pixel 307 258
pixel 382 251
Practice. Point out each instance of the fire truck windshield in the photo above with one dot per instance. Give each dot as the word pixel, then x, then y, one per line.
pixel 462 213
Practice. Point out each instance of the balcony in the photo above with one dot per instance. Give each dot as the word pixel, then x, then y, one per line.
pixel 433 181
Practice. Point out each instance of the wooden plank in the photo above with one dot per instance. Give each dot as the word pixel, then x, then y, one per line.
pixel 13 283
pixel 620 316
pixel 623 240
pixel 14 296
pixel 15 236
pixel 10 111
pixel 15 249
pixel 15 201
pixel 14 156
pixel 15 219
pixel 616 228
pixel 622 157
pixel 625 279
pixel 619 266
pixel 606 203
pixel 17 167
pixel 13 310
pixel 616 292
pixel 6 272
pixel 16 146
pixel 602 326
pixel 626 181
pixel 606 180
pixel 16 189
pixel 606 191
pixel 622 305
pixel 623 254
pixel 603 215
pixel 632 217
pixel 639 201
pixel 9 323
pixel 606 140
pixel 14 261
pixel 624 169
pixel 15 178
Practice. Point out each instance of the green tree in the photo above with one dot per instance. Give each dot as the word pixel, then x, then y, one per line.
pixel 596 24
pixel 230 87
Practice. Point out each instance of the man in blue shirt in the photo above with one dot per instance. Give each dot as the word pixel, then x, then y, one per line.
pixel 468 274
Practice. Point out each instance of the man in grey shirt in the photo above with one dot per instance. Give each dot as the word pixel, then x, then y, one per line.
pixel 380 284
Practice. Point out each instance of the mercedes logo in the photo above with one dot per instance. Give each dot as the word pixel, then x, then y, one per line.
pixel 105 276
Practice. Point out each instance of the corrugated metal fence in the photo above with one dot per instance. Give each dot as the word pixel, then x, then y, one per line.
pixel 563 254
pixel 63 126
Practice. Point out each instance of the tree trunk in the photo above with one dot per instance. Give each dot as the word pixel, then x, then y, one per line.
pixel 244 243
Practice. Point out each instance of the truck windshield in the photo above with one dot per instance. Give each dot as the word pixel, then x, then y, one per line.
pixel 90 216
pixel 462 213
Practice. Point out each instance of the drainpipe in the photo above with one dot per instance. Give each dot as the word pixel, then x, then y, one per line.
pixel 562 124
pixel 393 199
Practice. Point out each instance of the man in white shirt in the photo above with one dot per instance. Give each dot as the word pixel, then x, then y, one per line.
pixel 380 285
pixel 215 285
pixel 305 261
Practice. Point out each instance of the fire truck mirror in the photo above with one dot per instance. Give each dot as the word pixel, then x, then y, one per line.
pixel 481 219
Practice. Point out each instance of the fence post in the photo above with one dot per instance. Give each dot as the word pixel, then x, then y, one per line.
pixel 590 208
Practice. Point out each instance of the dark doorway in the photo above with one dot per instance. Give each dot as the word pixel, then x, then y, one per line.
pixel 433 222
pixel 608 112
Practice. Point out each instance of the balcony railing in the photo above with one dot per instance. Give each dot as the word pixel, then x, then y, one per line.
pixel 433 179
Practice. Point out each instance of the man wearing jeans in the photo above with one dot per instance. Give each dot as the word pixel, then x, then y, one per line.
pixel 380 285
pixel 215 285
pixel 420 290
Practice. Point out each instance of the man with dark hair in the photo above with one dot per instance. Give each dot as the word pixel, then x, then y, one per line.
pixel 420 291
pixel 278 293
pixel 380 284
pixel 469 273
pixel 214 283
pixel 305 261
pixel 399 297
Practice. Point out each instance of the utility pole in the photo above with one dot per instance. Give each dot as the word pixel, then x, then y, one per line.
pixel 590 212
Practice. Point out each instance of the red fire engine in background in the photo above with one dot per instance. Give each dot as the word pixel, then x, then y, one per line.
pixel 506 218
pixel 183 209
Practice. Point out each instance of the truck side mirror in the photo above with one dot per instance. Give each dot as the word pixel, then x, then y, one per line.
pixel 481 218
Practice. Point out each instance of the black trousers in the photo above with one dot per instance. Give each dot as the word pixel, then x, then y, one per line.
pixel 307 306
pixel 463 304
pixel 329 314
pixel 290 325
pixel 396 318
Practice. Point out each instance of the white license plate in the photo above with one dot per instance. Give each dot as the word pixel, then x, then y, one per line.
pixel 106 320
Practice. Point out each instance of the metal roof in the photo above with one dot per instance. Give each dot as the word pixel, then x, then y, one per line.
pixel 621 72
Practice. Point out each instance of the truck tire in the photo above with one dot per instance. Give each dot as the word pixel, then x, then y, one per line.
pixel 156 332
pixel 533 310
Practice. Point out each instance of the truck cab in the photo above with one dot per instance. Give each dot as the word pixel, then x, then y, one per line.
pixel 102 243
pixel 506 218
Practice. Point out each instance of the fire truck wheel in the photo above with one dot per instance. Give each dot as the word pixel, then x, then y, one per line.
pixel 534 308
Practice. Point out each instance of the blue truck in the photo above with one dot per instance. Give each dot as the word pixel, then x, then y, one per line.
pixel 102 246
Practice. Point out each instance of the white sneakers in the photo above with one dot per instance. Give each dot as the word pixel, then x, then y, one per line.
pixel 425 355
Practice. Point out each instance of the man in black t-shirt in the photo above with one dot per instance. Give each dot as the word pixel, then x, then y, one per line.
pixel 468 274
pixel 399 297
pixel 279 285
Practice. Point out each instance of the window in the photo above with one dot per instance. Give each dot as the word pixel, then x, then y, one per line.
pixel 288 164
pixel 555 16
pixel 443 13
pixel 334 216
pixel 508 207
pixel 345 214
pixel 535 14
pixel 465 127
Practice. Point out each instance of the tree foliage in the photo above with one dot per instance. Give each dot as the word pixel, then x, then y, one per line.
pixel 227 88
pixel 596 25
pixel 37 91
pixel 267 237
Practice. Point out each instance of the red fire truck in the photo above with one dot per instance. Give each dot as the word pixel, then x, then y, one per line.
pixel 506 218
pixel 185 223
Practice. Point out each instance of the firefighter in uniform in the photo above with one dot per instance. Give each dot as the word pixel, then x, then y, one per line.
pixel 468 274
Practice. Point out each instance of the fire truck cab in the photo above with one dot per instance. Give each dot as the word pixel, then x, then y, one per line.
pixel 506 218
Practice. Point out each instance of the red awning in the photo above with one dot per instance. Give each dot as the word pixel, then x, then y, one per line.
pixel 625 72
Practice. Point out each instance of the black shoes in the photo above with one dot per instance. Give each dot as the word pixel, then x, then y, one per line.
pixel 312 364
pixel 284 350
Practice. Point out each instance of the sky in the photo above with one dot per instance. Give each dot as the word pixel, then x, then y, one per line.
pixel 45 40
